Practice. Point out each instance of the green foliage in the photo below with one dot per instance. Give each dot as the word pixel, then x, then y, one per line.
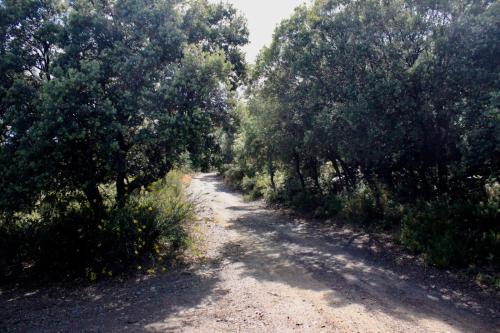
pixel 378 111
pixel 233 176
pixel 100 95
pixel 359 206
pixel 453 232
pixel 102 92
pixel 255 187
pixel 63 240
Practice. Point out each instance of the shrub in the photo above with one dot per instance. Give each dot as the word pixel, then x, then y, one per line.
pixel 453 232
pixel 333 205
pixel 233 176
pixel 359 205
pixel 69 242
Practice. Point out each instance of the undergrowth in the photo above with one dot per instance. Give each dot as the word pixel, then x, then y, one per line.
pixel 447 232
pixel 63 240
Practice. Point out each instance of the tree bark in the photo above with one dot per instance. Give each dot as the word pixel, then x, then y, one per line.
pixel 339 174
pixel 315 175
pixel 121 171
pixel 271 171
pixel 95 200
pixel 299 173
pixel 372 183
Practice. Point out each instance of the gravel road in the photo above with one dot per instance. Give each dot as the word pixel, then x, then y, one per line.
pixel 263 270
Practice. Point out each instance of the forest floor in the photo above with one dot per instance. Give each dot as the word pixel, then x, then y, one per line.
pixel 264 270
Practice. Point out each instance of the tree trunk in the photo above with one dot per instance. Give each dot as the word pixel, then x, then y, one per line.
pixel 372 183
pixel 315 174
pixel 121 172
pixel 299 173
pixel 271 171
pixel 96 202
pixel 341 178
pixel 120 189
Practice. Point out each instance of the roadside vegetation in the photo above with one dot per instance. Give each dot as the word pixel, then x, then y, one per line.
pixel 99 102
pixel 382 113
pixel 386 114
pixel 57 241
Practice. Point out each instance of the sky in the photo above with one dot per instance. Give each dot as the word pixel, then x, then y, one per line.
pixel 263 16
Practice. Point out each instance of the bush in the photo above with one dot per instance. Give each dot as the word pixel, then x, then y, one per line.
pixel 233 176
pixel 458 231
pixel 60 242
pixel 359 205
pixel 257 186
pixel 453 232
pixel 333 205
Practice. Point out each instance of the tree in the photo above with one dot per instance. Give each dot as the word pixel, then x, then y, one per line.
pixel 391 94
pixel 29 32
pixel 129 88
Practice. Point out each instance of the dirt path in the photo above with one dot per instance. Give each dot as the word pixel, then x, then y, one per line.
pixel 265 272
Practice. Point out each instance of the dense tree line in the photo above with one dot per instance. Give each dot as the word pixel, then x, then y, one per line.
pixel 385 112
pixel 95 92
pixel 99 99
pixel 391 103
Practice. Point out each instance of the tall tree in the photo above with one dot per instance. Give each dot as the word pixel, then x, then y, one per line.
pixel 127 91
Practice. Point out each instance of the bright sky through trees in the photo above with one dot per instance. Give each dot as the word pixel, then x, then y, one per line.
pixel 263 16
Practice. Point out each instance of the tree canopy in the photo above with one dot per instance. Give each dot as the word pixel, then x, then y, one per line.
pixel 102 91
pixel 396 101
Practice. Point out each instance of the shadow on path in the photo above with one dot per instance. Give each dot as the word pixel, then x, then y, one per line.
pixel 351 270
pixel 109 306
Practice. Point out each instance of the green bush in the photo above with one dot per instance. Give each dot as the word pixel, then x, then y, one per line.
pixel 359 205
pixel 333 205
pixel 448 232
pixel 256 187
pixel 453 232
pixel 248 184
pixel 233 176
pixel 67 241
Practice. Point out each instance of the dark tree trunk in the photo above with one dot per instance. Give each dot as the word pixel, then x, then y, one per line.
pixel 271 171
pixel 372 183
pixel 315 175
pixel 121 172
pixel 121 190
pixel 95 200
pixel 299 173
pixel 348 174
